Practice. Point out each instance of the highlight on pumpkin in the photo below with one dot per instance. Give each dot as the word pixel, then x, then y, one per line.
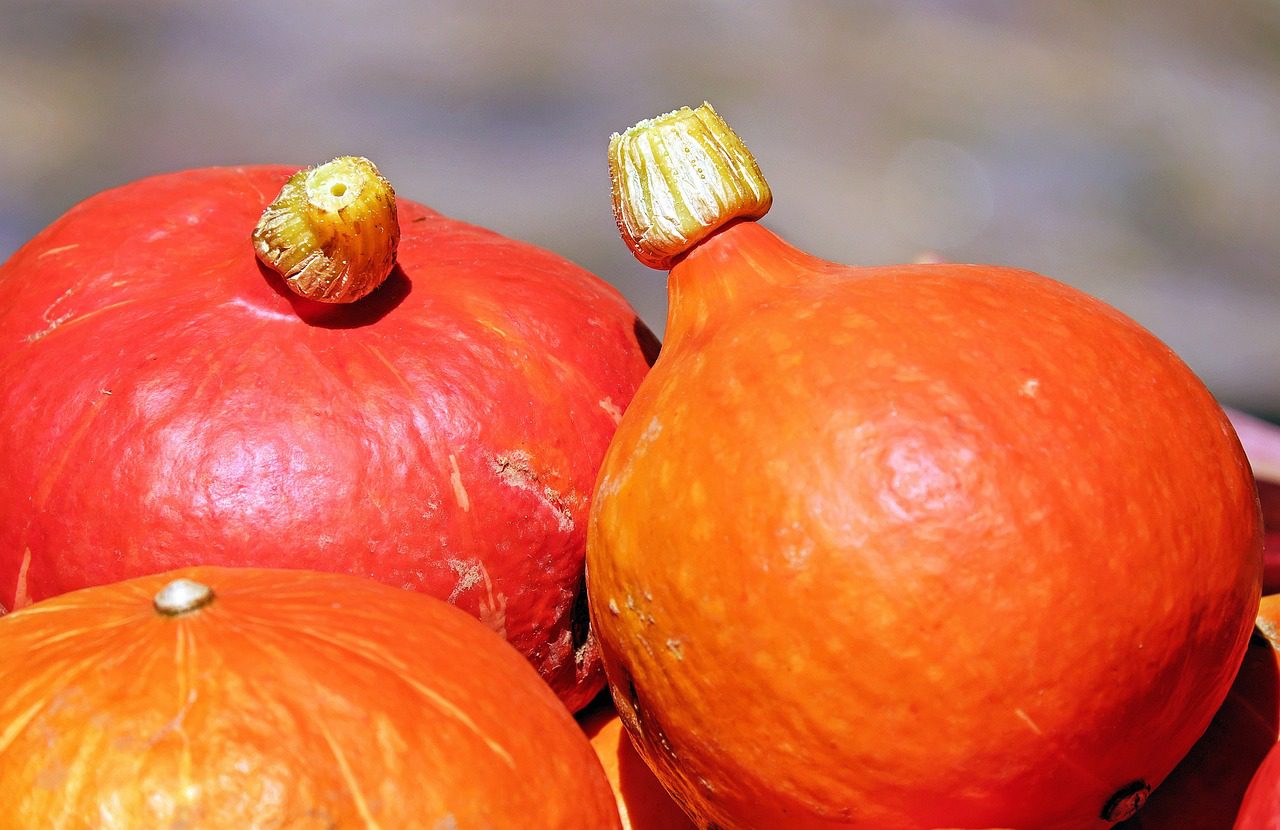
pixel 332 233
pixel 677 179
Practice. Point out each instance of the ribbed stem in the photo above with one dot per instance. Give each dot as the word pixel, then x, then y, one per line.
pixel 677 179
pixel 686 192
pixel 332 232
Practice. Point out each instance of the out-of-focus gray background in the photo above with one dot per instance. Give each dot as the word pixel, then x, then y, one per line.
pixel 1131 149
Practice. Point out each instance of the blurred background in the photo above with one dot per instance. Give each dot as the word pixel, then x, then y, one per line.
pixel 1130 149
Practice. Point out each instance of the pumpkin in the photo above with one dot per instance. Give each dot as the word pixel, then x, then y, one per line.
pixel 1260 809
pixel 642 802
pixel 233 698
pixel 903 546
pixel 1205 790
pixel 167 400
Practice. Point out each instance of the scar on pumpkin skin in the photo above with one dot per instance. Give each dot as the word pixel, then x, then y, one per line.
pixel 58 250
pixel 21 598
pixel 1025 718
pixel 516 470
pixel 459 492
pixel 70 317
pixel 611 409
pixel 493 609
pixel 469 575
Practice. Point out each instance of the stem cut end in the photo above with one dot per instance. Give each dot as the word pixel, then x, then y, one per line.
pixel 182 596
pixel 677 179
pixel 332 232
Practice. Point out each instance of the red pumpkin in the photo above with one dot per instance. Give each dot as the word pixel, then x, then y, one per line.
pixel 165 400
pixel 1261 807
pixel 232 698
pixel 904 546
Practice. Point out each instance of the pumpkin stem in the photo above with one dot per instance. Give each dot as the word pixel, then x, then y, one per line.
pixel 181 596
pixel 677 179
pixel 332 232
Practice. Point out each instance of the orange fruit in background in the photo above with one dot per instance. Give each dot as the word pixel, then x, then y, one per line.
pixel 911 546
pixel 642 802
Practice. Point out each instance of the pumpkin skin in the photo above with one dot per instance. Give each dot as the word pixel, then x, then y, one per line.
pixel 1205 790
pixel 642 802
pixel 1260 809
pixel 165 397
pixel 915 546
pixel 294 699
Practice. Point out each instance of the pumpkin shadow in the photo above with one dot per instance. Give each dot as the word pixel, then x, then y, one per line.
pixel 366 311
pixel 648 342
pixel 647 803
pixel 1205 790
pixel 649 806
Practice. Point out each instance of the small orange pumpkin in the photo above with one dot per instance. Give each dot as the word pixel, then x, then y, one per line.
pixel 642 802
pixel 222 698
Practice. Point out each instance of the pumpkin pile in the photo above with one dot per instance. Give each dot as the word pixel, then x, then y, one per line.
pixel 270 368
pixel 169 399
pixel 894 547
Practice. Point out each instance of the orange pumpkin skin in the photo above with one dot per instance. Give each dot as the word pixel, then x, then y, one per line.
pixel 642 802
pixel 293 700
pixel 162 394
pixel 1205 790
pixel 917 546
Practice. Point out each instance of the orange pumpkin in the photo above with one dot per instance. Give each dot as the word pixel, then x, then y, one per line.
pixel 1205 790
pixel 642 803
pixel 222 698
pixel 908 546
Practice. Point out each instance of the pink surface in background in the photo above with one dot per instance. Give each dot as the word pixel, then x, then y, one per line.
pixel 1261 441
